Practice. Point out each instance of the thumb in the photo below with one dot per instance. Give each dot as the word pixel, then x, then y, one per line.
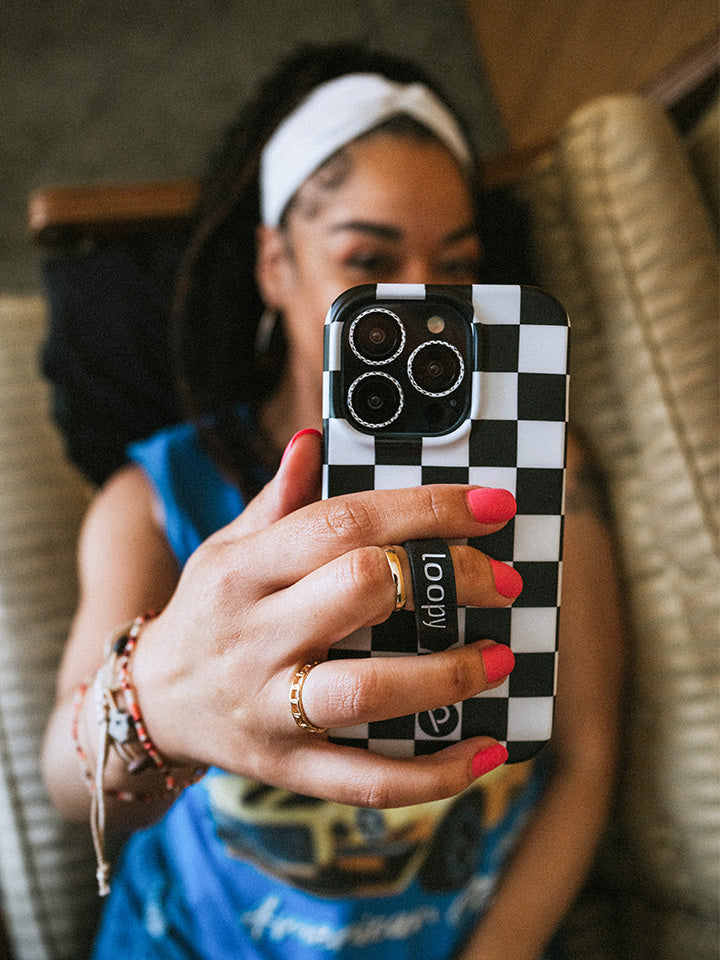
pixel 298 479
pixel 296 483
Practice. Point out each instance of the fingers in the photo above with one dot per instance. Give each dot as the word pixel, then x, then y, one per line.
pixel 343 693
pixel 321 532
pixel 357 590
pixel 362 779
pixel 480 580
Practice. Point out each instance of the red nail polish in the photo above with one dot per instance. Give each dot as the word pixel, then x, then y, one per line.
pixel 300 433
pixel 491 505
pixel 488 759
pixel 508 581
pixel 499 661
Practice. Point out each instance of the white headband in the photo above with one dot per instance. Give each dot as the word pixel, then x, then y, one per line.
pixel 331 116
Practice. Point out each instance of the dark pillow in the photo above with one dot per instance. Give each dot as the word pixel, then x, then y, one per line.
pixel 107 351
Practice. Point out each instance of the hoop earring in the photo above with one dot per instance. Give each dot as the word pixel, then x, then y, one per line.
pixel 264 332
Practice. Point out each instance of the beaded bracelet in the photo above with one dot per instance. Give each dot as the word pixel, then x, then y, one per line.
pixel 124 648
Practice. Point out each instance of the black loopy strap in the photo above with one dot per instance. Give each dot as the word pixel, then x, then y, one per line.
pixel 434 594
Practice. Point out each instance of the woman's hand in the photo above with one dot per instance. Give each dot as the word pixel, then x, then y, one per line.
pixel 272 592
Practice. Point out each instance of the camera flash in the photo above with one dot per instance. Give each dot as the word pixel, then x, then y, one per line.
pixel 436 324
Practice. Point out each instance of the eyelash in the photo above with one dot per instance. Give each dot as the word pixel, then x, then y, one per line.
pixel 469 267
pixel 373 263
pixel 379 265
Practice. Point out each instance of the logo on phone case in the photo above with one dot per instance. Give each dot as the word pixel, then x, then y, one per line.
pixel 439 723
pixel 436 614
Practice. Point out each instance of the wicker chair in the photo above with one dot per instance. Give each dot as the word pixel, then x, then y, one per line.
pixel 623 236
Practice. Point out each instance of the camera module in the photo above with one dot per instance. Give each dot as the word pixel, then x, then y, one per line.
pixel 377 335
pixel 436 368
pixel 375 400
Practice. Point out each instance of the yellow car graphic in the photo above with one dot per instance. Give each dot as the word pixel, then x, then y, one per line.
pixel 330 848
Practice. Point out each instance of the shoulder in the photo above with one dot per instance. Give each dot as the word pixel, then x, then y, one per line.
pixel 127 495
pixel 177 463
pixel 123 524
pixel 194 498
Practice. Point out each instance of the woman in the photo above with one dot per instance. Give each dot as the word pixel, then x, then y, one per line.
pixel 328 180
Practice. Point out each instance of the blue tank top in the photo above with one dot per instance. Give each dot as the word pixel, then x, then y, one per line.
pixel 238 870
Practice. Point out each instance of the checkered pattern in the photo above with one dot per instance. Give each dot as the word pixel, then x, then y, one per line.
pixel 515 438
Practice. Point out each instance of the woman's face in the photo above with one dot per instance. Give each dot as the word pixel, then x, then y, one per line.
pixel 402 214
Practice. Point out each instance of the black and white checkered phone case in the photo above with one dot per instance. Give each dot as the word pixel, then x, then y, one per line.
pixel 514 438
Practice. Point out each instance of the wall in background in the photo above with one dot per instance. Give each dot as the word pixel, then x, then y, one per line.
pixel 545 59
pixel 96 91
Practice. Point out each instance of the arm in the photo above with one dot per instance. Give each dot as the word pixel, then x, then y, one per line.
pixel 552 859
pixel 125 567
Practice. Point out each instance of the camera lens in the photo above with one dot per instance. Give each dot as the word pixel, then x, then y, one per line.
pixel 436 368
pixel 375 400
pixel 377 335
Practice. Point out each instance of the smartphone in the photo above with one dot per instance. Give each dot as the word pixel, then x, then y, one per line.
pixel 458 384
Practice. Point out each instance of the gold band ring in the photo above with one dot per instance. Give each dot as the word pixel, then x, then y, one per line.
pixel 397 575
pixel 296 704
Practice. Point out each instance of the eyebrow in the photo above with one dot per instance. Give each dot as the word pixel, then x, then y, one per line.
pixel 369 227
pixel 386 232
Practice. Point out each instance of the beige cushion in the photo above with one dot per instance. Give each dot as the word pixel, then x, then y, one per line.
pixel 46 865
pixel 623 239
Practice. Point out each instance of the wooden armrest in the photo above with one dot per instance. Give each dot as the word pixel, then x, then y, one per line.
pixel 506 169
pixel 688 85
pixel 66 215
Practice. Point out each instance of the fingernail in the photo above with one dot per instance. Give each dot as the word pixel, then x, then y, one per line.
pixel 498 660
pixel 300 433
pixel 488 759
pixel 508 581
pixel 491 505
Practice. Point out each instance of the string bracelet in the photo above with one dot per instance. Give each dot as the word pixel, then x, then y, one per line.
pixel 120 726
pixel 126 796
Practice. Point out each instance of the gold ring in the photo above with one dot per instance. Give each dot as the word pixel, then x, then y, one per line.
pixel 296 704
pixel 397 575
